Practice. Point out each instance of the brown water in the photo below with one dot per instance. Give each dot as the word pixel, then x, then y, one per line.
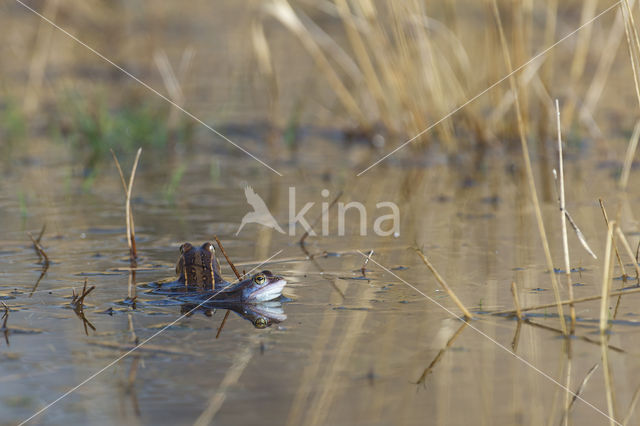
pixel 351 350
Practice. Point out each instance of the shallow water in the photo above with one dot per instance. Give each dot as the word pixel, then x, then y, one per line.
pixel 352 350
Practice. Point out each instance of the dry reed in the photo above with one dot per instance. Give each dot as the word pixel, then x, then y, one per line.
pixel 224 253
pixel 627 247
pixel 5 316
pixel 529 170
pixel 131 233
pixel 563 218
pixel 615 246
pixel 363 269
pixel 633 49
pixel 77 300
pixel 608 381
pixel 238 276
pixel 606 279
pixel 628 158
pixel 444 285
pixel 516 300
pixel 38 248
pixel 565 302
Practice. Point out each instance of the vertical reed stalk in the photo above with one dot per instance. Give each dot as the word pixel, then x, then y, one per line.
pixel 615 246
pixel 567 383
pixel 131 232
pixel 608 381
pixel 627 247
pixel 606 279
pixel 628 158
pixel 629 24
pixel 516 300
pixel 563 217
pixel 529 170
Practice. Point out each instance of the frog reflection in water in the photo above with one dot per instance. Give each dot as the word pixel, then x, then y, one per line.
pixel 261 315
pixel 200 280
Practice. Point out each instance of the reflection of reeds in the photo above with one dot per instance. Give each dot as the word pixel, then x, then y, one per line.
pixel 566 302
pixel 632 406
pixel 608 381
pixel 77 303
pixel 77 300
pixel 42 255
pixel 38 248
pixel 579 391
pixel 528 168
pixel 442 351
pixel 5 316
pixel 231 378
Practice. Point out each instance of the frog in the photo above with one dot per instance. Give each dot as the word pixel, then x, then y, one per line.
pixel 198 271
pixel 198 266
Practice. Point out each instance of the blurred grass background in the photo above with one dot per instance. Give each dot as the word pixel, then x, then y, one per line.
pixel 374 71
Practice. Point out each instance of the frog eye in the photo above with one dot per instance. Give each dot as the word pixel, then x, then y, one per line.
pixel 259 279
pixel 185 248
pixel 260 323
pixel 208 246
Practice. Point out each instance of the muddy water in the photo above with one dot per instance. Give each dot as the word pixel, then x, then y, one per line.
pixel 352 350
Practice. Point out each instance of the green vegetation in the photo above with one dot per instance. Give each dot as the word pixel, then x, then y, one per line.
pixel 174 182
pixel 93 128
pixel 13 127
